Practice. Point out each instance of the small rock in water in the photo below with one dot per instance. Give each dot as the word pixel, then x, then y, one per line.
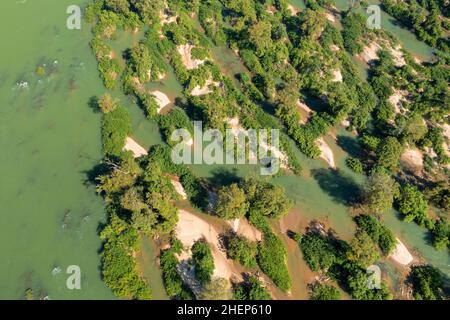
pixel 56 270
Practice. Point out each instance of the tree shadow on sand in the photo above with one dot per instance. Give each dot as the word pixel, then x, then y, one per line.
pixel 341 188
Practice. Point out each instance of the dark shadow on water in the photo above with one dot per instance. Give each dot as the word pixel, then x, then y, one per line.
pixel 315 103
pixel 341 188
pixel 96 171
pixel 222 176
pixel 350 145
pixel 93 104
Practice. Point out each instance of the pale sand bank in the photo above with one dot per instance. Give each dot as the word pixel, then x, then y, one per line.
pixel 186 57
pixel 161 99
pixel 370 53
pixel 179 188
pixel 337 76
pixel 166 19
pixel 236 128
pixel 413 159
pixel 191 228
pixel 293 9
pixel 134 147
pixel 243 228
pixel 330 17
pixel 396 100
pixel 401 254
pixel 306 109
pixel 201 91
pixel 326 152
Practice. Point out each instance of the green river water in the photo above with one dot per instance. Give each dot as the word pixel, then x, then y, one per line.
pixel 50 138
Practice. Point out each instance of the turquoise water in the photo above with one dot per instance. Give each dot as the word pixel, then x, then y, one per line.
pixel 49 139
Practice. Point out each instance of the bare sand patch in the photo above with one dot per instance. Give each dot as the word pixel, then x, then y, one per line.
pixel 243 228
pixel 166 18
pixel 293 9
pixel 161 99
pixel 396 99
pixel 179 188
pixel 401 254
pixel 186 57
pixel 330 17
pixel 201 91
pixel 337 76
pixel 236 128
pixel 134 147
pixel 191 228
pixel 326 153
pixel 271 10
pixel 399 60
pixel 334 48
pixel 446 130
pixel 307 110
pixel 345 123
pixel 413 159
pixel 370 52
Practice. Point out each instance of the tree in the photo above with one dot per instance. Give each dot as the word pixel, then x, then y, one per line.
pixel 260 36
pixel 377 232
pixel 203 261
pixel 107 103
pixel 268 199
pixel 251 289
pixel 441 234
pixel 116 126
pixel 231 202
pixel 272 260
pixel 355 165
pixel 317 251
pixel 243 250
pixel 216 289
pixel 119 269
pixel 173 282
pixel 413 205
pixel 357 280
pixel 427 283
pixel 388 153
pixel 379 192
pixel 141 62
pixel 363 250
pixel 320 291
pixel 132 200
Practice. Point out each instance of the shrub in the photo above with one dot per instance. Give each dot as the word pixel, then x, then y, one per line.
pixel 243 251
pixel 203 261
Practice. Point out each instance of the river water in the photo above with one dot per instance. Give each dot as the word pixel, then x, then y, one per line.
pixel 50 139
